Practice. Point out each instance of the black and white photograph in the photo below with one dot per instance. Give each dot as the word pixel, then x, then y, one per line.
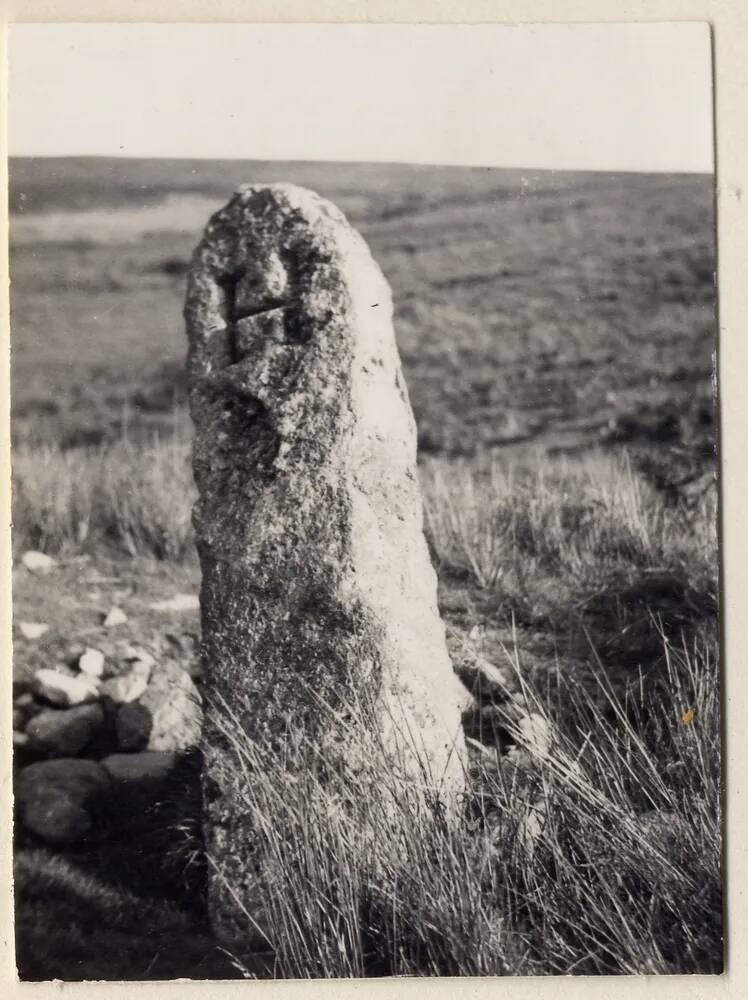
pixel 364 452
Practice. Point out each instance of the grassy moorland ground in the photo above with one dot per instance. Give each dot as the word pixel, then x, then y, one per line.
pixel 556 332
pixel 557 307
pixel 599 853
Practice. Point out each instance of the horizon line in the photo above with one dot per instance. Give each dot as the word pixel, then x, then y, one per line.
pixel 368 163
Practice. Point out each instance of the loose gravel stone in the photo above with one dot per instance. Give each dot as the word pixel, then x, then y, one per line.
pixel 62 689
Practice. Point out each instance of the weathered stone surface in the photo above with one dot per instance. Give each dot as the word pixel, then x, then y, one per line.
pixel 140 780
pixel 140 660
pixel 64 732
pixel 133 724
pixel 148 770
pixel 127 687
pixel 91 663
pixel 25 707
pixel 38 562
pixel 179 602
pixel 483 679
pixel 62 689
pixel 185 649
pixel 33 630
pixel 60 800
pixel 116 616
pixel 173 702
pixel 317 582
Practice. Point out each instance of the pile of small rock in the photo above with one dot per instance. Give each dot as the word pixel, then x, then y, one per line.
pixel 105 730
pixel 498 717
pixel 98 730
pixel 502 731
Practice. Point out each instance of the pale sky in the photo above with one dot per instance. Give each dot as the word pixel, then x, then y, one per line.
pixel 598 97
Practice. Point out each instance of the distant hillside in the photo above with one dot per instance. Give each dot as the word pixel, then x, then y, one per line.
pixel 46 184
pixel 557 308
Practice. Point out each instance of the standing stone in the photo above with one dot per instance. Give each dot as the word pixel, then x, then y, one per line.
pixel 317 585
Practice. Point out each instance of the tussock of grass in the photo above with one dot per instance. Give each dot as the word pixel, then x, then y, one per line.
pixel 597 854
pixel 369 875
pixel 552 533
pixel 136 499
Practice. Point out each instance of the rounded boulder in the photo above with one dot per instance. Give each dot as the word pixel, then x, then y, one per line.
pixel 60 800
pixel 133 724
pixel 64 732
